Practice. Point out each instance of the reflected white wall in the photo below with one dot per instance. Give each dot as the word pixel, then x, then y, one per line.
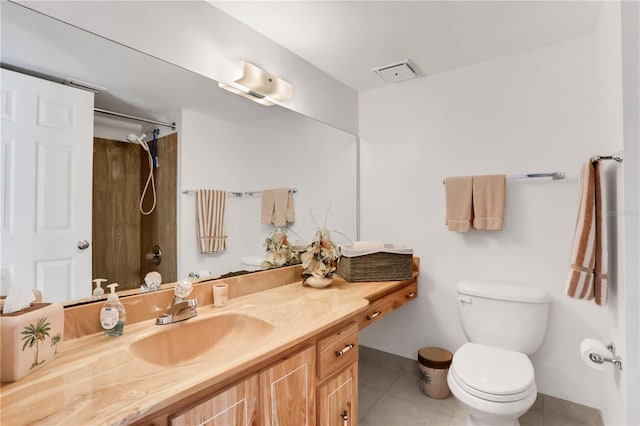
pixel 283 150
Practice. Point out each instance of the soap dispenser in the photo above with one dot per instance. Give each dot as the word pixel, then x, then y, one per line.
pixel 112 314
pixel 98 292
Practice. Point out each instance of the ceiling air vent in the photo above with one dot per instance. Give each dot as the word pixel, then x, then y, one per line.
pixel 400 71
pixel 83 85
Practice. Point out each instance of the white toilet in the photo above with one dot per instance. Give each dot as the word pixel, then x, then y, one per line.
pixel 492 377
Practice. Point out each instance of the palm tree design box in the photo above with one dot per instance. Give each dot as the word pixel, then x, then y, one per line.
pixel 29 339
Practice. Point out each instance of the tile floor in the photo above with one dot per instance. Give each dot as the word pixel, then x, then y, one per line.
pixel 389 395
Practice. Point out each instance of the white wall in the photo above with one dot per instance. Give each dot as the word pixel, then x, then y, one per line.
pixel 630 13
pixel 609 64
pixel 283 150
pixel 538 111
pixel 201 38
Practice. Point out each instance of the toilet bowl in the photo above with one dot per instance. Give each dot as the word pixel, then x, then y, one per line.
pixel 491 376
pixel 494 386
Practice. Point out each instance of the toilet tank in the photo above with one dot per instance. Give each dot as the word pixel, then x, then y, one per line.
pixel 506 316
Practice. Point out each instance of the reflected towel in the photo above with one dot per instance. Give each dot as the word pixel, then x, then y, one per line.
pixel 291 211
pixel 458 203
pixel 588 274
pixel 210 210
pixel 280 206
pixel 268 204
pixel 277 207
pixel 488 202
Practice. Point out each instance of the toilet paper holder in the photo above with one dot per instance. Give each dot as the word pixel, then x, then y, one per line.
pixel 615 359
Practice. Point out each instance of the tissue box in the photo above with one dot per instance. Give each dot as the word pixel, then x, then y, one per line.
pixel 29 339
pixel 390 263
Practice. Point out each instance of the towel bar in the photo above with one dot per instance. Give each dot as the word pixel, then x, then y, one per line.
pixel 552 175
pixel 233 194
pixel 618 156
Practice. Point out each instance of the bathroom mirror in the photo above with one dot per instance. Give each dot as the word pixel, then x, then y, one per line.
pixel 224 141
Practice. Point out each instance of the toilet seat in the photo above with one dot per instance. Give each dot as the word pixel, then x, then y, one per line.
pixel 493 374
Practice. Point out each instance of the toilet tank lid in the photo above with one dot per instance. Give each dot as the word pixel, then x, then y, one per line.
pixel 514 292
pixel 252 260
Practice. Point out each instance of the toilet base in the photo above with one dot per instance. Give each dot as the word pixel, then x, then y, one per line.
pixel 475 421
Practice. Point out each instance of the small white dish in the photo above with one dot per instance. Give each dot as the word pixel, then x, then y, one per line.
pixel 316 282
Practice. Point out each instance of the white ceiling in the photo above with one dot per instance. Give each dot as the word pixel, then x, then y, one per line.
pixel 346 39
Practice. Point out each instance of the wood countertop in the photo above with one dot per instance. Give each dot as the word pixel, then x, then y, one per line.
pixel 99 380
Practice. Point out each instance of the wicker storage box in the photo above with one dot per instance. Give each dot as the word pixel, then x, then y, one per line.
pixel 388 264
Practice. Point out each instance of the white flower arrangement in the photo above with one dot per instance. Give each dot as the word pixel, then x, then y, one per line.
pixel 279 251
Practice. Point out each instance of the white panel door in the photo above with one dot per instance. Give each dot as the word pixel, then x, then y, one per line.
pixel 47 149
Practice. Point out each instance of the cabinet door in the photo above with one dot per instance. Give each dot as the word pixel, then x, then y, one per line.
pixel 236 406
pixel 338 399
pixel 288 391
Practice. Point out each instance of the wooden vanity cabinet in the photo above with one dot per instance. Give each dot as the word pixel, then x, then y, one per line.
pixel 316 385
pixel 338 377
pixel 288 391
pixel 381 306
pixel 235 406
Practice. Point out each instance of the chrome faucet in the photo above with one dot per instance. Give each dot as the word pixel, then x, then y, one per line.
pixel 180 310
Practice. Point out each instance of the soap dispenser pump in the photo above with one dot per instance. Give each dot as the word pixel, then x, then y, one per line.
pixel 98 292
pixel 112 314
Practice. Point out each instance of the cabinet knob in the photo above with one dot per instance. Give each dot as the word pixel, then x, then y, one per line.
pixel 344 350
pixel 373 315
pixel 410 295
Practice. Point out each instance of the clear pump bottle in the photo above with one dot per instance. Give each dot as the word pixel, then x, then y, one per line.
pixel 98 292
pixel 112 314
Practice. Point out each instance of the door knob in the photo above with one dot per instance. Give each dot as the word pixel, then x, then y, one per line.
pixel 155 256
pixel 83 244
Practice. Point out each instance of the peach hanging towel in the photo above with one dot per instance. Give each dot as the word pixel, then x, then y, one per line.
pixel 588 274
pixel 210 210
pixel 277 207
pixel 488 202
pixel 459 204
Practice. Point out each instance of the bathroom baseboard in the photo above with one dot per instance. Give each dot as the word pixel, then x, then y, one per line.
pixel 548 405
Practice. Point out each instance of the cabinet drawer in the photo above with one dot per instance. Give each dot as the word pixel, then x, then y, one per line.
pixel 337 350
pixel 376 310
pixel 392 301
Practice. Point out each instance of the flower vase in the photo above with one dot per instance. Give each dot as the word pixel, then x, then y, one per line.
pixel 319 282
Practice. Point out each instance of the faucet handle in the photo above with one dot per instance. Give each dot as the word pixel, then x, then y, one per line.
pixel 183 289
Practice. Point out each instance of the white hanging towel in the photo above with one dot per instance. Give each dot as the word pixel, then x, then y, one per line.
pixel 588 274
pixel 210 210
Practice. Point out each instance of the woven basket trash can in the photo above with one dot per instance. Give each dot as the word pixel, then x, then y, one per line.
pixel 433 366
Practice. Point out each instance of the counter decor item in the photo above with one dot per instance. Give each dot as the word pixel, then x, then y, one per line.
pixel 319 260
pixel 370 261
pixel 279 250
pixel 29 339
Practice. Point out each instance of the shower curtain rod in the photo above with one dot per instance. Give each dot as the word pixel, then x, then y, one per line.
pixel 132 117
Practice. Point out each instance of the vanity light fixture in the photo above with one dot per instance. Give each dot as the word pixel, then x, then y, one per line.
pixel 259 86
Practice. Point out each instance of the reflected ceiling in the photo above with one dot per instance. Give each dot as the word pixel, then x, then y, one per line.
pixel 135 84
